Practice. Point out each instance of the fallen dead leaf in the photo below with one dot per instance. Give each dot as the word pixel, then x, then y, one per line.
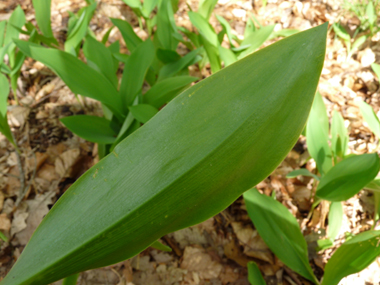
pixel 65 161
pixel 5 223
pixel 19 217
pixel 38 208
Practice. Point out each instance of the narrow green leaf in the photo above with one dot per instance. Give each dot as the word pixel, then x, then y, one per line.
pixel 204 28
pixel 250 28
pixel 374 185
pixel 348 177
pixel 160 246
pixel 92 128
pixel 283 33
pixel 183 166
pixel 339 136
pixel 16 20
pixel 376 69
pixel 79 31
pixel 166 26
pixel 254 274
pixel 4 92
pixel 148 7
pixel 370 117
pixel 206 7
pixel 3 237
pixel 135 70
pixel 129 36
pixel 341 32
pixel 213 55
pixel 361 40
pixel 165 90
pixel 42 10
pixel 280 231
pixel 100 58
pixel 371 13
pixel 351 257
pixel 143 112
pixel 335 219
pixel 227 27
pixel 2 34
pixel 173 68
pixel 303 172
pixel 79 77
pixel 256 39
pixel 136 4
pixel 317 137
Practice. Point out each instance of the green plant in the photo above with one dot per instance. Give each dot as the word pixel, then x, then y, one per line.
pixel 366 11
pixel 193 159
pixel 341 175
pixel 352 44
pixel 281 232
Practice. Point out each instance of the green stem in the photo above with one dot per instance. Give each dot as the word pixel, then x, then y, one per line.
pixel 71 280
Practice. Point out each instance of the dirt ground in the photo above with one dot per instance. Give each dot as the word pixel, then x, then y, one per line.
pixel 217 250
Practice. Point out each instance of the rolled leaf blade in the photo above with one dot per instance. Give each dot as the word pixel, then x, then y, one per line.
pixel 352 256
pixel 348 177
pixel 183 166
pixel 280 231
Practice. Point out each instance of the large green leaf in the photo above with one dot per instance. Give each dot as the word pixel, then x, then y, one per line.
pixel 193 159
pixel 280 231
pixel 15 22
pixel 78 76
pixel 352 257
pixel 348 177
pixel 92 128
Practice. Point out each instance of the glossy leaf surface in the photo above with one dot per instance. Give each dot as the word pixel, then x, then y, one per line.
pixel 348 177
pixel 280 231
pixel 352 257
pixel 192 160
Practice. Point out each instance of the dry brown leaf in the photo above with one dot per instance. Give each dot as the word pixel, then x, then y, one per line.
pixel 47 172
pixel 5 223
pixel 17 116
pixel 19 217
pixel 38 208
pixel 65 161
pixel 253 244
pixel 196 259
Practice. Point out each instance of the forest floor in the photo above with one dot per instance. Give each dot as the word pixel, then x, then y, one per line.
pixel 217 250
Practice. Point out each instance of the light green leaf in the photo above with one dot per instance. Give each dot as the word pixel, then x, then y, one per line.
pixel 79 77
pixel 254 274
pixel 348 177
pixel 212 54
pixel 371 13
pixel 317 137
pixel 256 39
pixel 361 40
pixel 166 26
pixel 71 280
pixel 204 28
pixel 341 32
pixel 92 128
pixel 79 31
pixel 370 117
pixel 227 27
pixel 42 10
pixel 143 112
pixel 206 7
pixel 136 4
pixel 2 35
pixel 166 90
pixel 303 172
pixel 376 69
pixel 374 185
pixel 280 231
pixel 135 70
pixel 167 55
pixel 335 219
pixel 129 35
pixel 339 136
pixel 352 257
pixel 148 7
pixel 4 92
pixel 227 56
pixel 183 166
pixel 100 58
pixel 16 20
